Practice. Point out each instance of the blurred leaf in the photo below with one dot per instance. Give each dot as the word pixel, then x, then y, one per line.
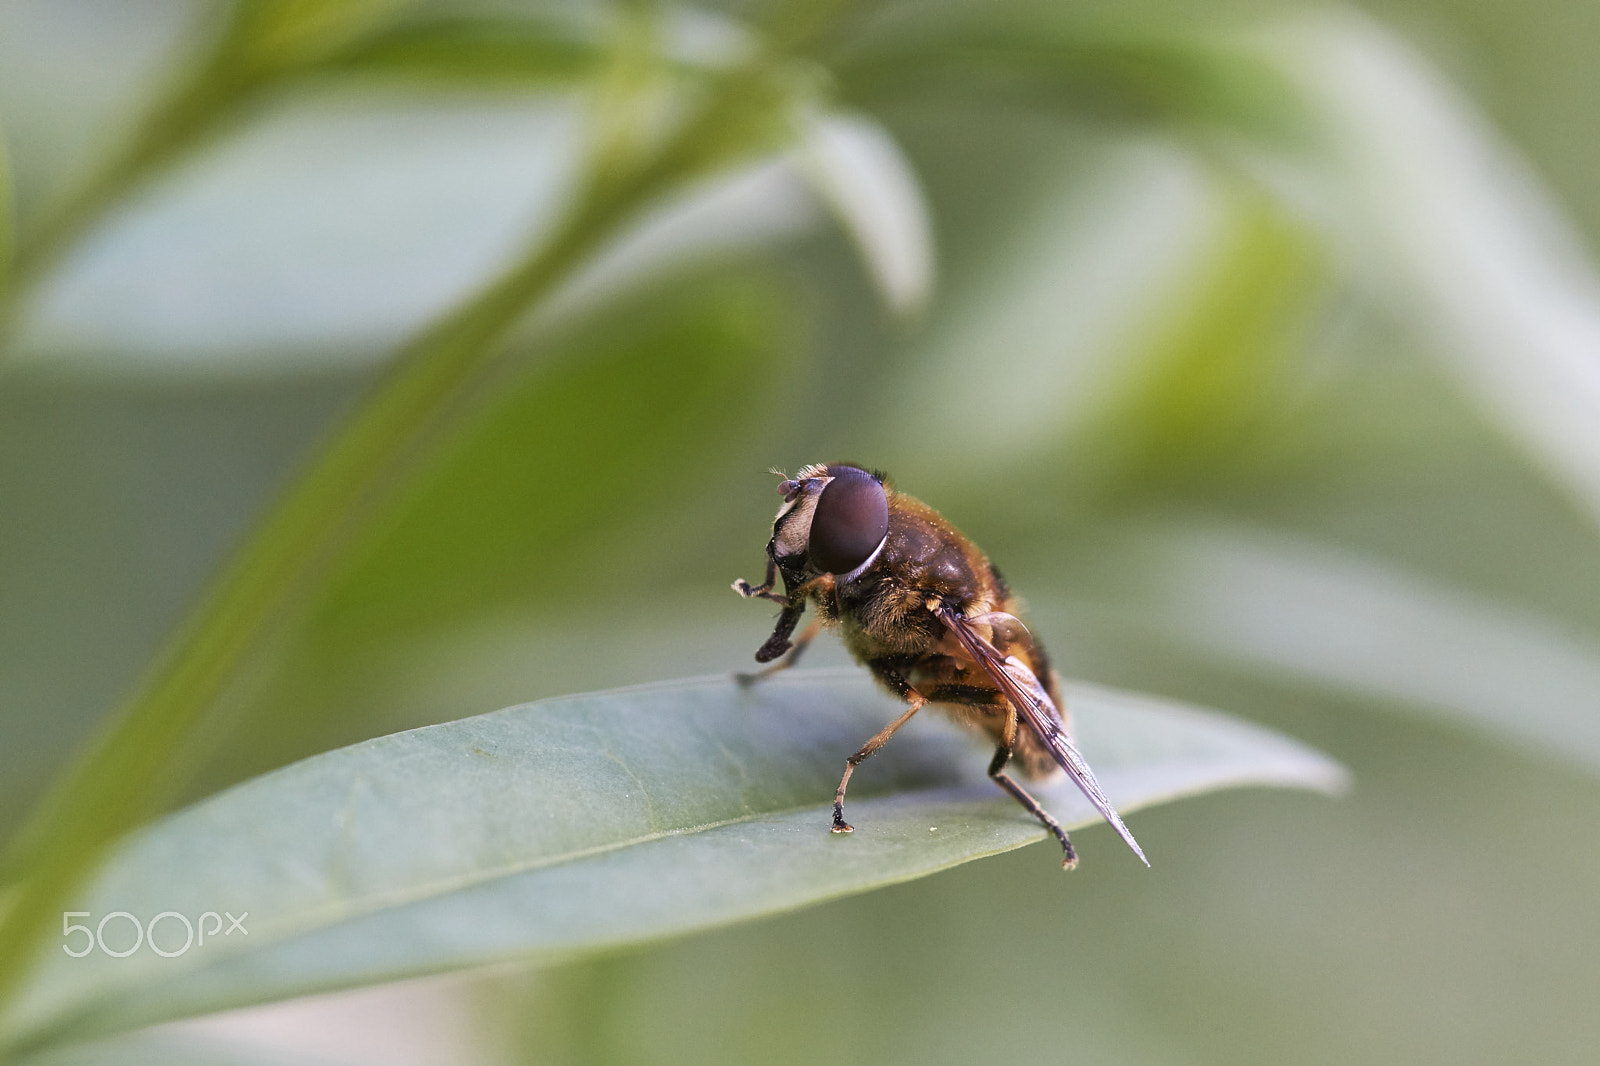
pixel 555 497
pixel 172 1049
pixel 1123 73
pixel 68 81
pixel 1460 234
pixel 582 824
pixel 538 47
pixel 1113 238
pixel 260 46
pixel 566 470
pixel 344 222
pixel 528 51
pixel 327 233
pixel 134 766
pixel 861 174
pixel 1209 383
pixel 7 212
pixel 1319 615
pixel 287 32
pixel 749 210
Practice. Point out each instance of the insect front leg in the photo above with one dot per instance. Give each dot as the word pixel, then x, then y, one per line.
pixel 794 605
pixel 915 700
pixel 788 618
pixel 797 649
pixel 1002 755
pixel 763 590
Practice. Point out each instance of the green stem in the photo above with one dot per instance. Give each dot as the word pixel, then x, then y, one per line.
pixel 7 217
pixel 129 773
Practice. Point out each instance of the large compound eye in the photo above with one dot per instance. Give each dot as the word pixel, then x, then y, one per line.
pixel 851 520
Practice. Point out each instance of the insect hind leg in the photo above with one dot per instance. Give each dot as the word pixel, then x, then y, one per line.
pixel 997 771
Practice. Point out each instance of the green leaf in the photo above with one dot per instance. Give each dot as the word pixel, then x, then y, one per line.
pixel 480 52
pixel 285 32
pixel 506 502
pixel 1318 614
pixel 326 233
pixel 584 824
pixel 861 174
pixel 1459 236
pixel 538 47
pixel 1115 254
pixel 679 372
pixel 126 770
pixel 1211 383
pixel 160 1048
pixel 7 209
pixel 1128 74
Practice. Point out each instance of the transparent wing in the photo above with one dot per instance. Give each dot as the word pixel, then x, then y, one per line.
pixel 1022 688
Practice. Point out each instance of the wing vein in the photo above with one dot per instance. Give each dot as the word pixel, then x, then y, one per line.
pixel 1040 714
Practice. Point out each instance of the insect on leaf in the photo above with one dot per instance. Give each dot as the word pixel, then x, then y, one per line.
pixel 585 823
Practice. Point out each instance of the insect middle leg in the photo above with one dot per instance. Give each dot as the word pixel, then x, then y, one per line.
pixel 870 748
pixel 1002 755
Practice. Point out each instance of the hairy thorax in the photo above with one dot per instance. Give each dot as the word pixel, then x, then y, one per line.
pixel 885 611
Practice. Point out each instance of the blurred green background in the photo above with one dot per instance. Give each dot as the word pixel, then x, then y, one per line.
pixel 1259 345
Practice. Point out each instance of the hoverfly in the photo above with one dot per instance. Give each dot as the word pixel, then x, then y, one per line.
pixel 925 611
